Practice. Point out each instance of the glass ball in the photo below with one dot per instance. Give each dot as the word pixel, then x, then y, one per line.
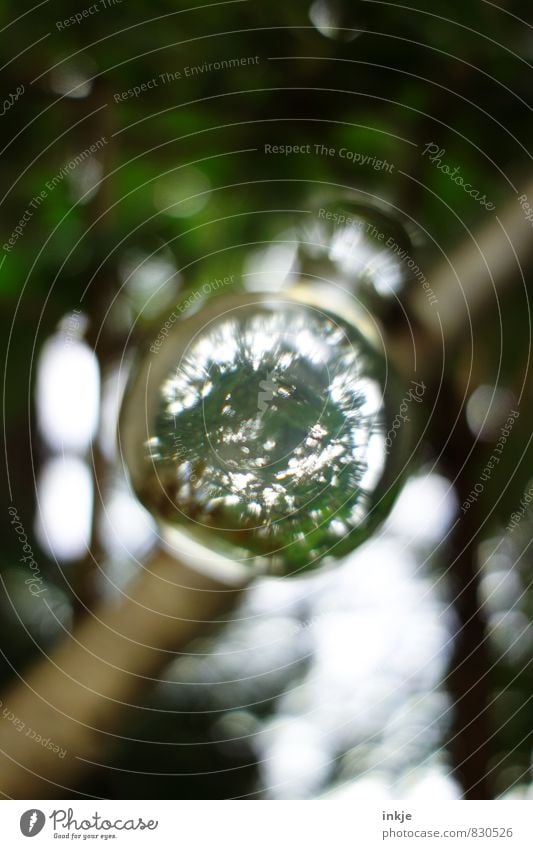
pixel 256 432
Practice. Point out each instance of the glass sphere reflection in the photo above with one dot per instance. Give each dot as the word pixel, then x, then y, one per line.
pixel 258 430
pixel 361 245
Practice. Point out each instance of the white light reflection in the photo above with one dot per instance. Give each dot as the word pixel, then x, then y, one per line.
pixel 379 643
pixel 272 268
pixel 182 194
pixel 65 504
pixel 112 392
pixel 357 254
pixel 125 527
pixel 329 19
pixel 425 511
pixel 363 246
pixel 487 409
pixel 150 282
pixel 85 179
pixel 71 80
pixel 298 759
pixel 68 387
pixel 353 658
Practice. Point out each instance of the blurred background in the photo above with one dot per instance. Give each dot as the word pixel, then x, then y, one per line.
pixel 133 170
